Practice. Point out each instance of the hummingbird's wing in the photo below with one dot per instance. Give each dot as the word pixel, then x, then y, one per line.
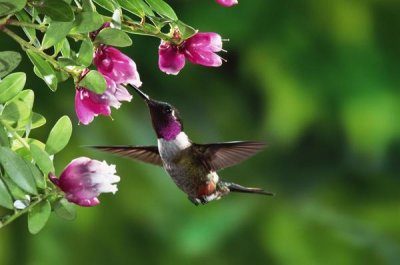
pixel 221 155
pixel 147 154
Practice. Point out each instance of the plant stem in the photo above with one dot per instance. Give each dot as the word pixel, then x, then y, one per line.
pixel 25 210
pixel 29 46
pixel 13 22
pixel 15 135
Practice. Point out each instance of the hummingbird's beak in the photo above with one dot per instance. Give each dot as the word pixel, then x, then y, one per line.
pixel 141 94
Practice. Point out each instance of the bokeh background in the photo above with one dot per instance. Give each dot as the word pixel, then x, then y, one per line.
pixel 318 80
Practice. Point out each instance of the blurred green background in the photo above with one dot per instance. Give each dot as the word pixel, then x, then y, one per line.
pixel 318 80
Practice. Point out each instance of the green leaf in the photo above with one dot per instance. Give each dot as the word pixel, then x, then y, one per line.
pixel 38 216
pixel 16 192
pixel 57 10
pixel 11 6
pixel 17 113
pixel 110 5
pixel 65 209
pixel 45 70
pixel 59 135
pixel 55 33
pixel 9 60
pixel 185 30
pixel 5 197
pixel 85 55
pixel 94 81
pixel 17 170
pixel 4 141
pixel 162 8
pixel 132 6
pixel 29 32
pixel 87 5
pixel 37 175
pixel 86 22
pixel 11 86
pixel 65 48
pixel 113 37
pixel 42 159
pixel 37 120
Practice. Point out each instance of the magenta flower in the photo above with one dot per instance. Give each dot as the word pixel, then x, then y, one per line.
pixel 227 3
pixel 84 179
pixel 116 65
pixel 89 104
pixel 200 49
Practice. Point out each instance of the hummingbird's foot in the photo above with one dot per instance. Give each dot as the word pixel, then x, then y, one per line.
pixel 195 201
pixel 200 200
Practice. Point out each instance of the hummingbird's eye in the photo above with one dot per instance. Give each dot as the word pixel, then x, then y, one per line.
pixel 167 110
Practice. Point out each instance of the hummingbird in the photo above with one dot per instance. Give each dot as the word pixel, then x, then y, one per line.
pixel 193 167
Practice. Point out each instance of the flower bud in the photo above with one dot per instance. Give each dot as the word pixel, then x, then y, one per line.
pixel 84 179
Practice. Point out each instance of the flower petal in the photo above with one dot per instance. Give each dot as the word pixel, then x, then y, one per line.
pixel 170 59
pixel 205 58
pixel 84 179
pixel 227 3
pixel 206 41
pixel 112 63
pixel 88 105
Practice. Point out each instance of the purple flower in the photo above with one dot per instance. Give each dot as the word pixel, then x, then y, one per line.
pixel 116 65
pixel 89 104
pixel 84 179
pixel 227 3
pixel 200 49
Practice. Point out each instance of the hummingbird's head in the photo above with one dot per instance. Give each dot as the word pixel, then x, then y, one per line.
pixel 165 118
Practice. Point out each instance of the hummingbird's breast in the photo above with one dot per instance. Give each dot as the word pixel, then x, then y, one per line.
pixel 187 172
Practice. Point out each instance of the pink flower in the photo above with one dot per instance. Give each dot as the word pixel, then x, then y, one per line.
pixel 227 3
pixel 83 179
pixel 200 49
pixel 116 65
pixel 89 104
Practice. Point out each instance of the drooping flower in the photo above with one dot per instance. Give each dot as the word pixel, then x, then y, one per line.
pixel 201 49
pixel 227 3
pixel 83 179
pixel 89 104
pixel 114 64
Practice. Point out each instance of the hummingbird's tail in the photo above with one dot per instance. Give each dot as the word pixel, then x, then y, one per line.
pixel 233 187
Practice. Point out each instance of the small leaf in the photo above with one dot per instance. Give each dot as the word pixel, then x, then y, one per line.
pixel 110 5
pixel 65 48
pixel 133 6
pixel 38 216
pixel 11 86
pixel 37 120
pixel 15 191
pixel 185 30
pixel 85 55
pixel 65 209
pixel 94 81
pixel 55 33
pixel 162 8
pixel 11 6
pixel 45 70
pixel 42 159
pixel 87 5
pixel 59 135
pixel 4 141
pixel 86 22
pixel 17 113
pixel 37 175
pixel 29 32
pixel 113 37
pixel 9 60
pixel 57 10
pixel 17 170
pixel 5 197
